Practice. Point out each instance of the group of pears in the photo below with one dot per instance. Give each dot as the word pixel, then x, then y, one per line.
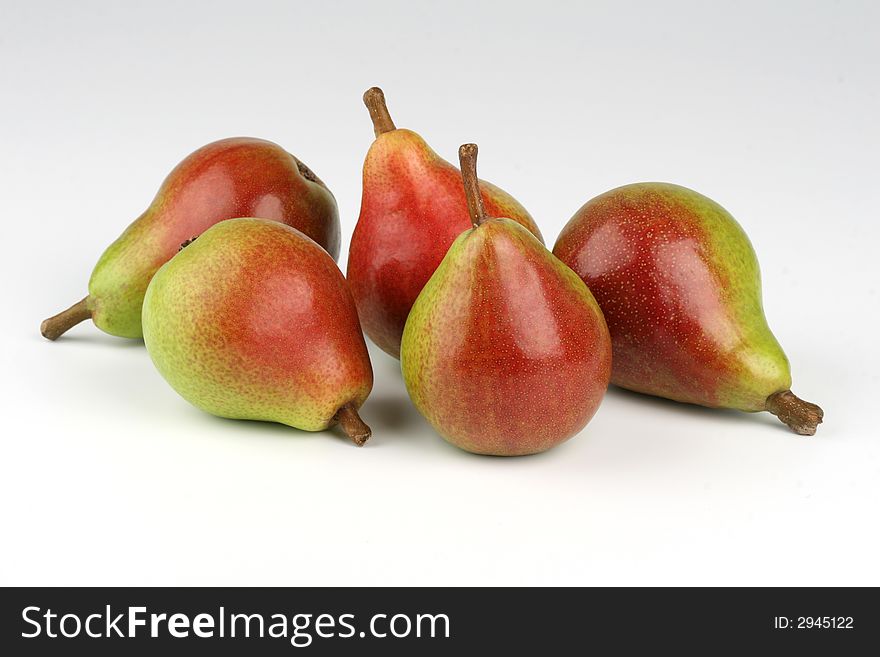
pixel 506 348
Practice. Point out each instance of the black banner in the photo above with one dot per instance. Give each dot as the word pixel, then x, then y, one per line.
pixel 392 621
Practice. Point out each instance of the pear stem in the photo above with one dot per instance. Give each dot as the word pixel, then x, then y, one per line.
pixel 467 157
pixel 374 99
pixel 352 424
pixel 802 416
pixel 54 327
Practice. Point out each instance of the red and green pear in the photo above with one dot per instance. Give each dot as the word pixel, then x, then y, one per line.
pixel 413 207
pixel 253 320
pixel 505 351
pixel 678 281
pixel 225 179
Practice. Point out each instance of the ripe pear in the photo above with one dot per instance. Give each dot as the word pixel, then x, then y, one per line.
pixel 253 320
pixel 505 351
pixel 413 207
pixel 678 281
pixel 225 179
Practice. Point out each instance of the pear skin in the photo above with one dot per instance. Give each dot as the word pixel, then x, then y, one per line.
pixel 253 320
pixel 679 283
pixel 505 351
pixel 225 179
pixel 413 207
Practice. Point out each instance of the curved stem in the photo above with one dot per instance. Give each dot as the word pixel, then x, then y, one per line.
pixel 802 416
pixel 54 327
pixel 352 424
pixel 374 99
pixel 467 157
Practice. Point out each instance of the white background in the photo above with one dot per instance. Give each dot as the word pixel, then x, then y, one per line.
pixel 108 477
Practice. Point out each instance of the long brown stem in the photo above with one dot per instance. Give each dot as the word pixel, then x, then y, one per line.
pixel 56 326
pixel 467 157
pixel 352 424
pixel 802 416
pixel 374 99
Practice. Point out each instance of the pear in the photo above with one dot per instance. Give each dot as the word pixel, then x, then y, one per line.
pixel 678 281
pixel 253 320
pixel 413 208
pixel 225 179
pixel 505 351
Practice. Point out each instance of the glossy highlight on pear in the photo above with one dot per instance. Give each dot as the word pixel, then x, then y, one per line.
pixel 505 352
pixel 413 207
pixel 225 179
pixel 679 284
pixel 253 320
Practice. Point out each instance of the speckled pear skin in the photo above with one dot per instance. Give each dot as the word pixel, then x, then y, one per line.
pixel 505 351
pixel 680 287
pixel 253 320
pixel 225 179
pixel 413 207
